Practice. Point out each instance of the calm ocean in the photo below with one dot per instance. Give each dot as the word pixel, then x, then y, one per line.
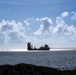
pixel 55 59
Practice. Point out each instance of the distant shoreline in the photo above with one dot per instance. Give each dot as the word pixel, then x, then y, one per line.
pixel 25 50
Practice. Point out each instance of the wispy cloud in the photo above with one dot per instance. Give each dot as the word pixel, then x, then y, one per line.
pixel 14 3
pixel 74 15
pixel 29 2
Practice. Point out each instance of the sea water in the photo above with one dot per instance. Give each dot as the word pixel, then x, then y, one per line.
pixel 54 59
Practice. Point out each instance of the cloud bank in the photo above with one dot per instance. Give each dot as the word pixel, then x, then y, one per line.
pixel 11 31
pixel 56 34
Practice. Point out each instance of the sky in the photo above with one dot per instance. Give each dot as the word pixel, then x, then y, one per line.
pixel 37 21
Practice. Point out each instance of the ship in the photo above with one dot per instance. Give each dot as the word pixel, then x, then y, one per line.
pixel 30 47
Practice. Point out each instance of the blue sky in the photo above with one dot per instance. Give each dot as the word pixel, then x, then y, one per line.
pixel 39 21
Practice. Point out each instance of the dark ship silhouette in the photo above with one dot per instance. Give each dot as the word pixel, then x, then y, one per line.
pixel 30 47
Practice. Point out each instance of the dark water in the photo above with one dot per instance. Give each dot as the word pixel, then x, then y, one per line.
pixel 55 59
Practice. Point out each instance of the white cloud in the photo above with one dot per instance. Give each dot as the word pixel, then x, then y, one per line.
pixel 27 23
pixel 10 31
pixel 60 24
pixel 74 15
pixel 70 30
pixel 37 19
pixel 46 21
pixel 45 26
pixel 40 30
pixel 65 14
pixel 61 27
pixel 29 19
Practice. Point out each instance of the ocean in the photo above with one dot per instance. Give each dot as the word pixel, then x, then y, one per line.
pixel 55 59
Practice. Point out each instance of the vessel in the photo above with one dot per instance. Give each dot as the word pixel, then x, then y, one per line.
pixel 30 47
